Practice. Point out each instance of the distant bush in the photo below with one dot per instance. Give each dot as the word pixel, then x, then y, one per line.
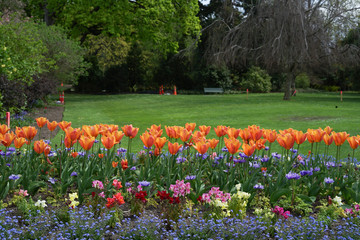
pixel 332 88
pixel 217 77
pixel 256 80
pixel 302 81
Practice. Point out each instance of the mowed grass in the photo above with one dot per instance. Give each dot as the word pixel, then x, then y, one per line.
pixel 306 110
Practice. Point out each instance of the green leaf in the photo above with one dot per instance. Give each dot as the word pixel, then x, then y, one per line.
pixel 278 193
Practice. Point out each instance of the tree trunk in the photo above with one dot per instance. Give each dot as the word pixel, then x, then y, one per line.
pixel 288 84
pixel 48 16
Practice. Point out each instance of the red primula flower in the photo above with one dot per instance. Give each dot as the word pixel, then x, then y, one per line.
pixel 163 195
pixel 141 196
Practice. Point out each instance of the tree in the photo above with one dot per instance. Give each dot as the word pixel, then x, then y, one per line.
pixel 285 35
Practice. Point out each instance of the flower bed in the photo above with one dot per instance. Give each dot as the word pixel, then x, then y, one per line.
pixel 90 186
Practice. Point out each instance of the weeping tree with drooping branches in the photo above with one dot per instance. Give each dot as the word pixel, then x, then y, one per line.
pixel 284 36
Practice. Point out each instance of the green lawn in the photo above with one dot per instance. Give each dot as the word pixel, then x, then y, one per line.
pixel 306 110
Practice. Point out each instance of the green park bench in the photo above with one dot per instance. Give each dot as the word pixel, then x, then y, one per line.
pixel 213 90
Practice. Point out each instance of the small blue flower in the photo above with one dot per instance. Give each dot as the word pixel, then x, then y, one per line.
pixel 329 180
pixel 52 180
pixel 73 174
pixel 14 177
pixel 292 175
pixel 190 177
pixel 133 168
pixel 258 186
pixel 144 183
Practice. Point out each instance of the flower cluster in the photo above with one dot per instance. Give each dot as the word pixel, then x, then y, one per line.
pixel 215 194
pixel 116 199
pixel 72 202
pixel 141 196
pixel 280 212
pixel 180 188
pixel 166 196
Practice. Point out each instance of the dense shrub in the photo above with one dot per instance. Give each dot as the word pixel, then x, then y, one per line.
pixel 216 77
pixel 66 55
pixel 302 81
pixel 256 80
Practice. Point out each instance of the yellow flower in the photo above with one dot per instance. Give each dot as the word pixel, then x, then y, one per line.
pixel 3 65
pixel 72 196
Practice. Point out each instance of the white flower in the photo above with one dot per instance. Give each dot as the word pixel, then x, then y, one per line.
pixel 41 203
pixel 238 186
pixel 337 201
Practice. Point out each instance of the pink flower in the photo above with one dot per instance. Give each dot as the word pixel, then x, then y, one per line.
pixel 102 194
pixel 98 184
pixel 117 184
pixel 22 192
pixel 280 212
pixel 139 188
pixel 129 190
pixel 349 211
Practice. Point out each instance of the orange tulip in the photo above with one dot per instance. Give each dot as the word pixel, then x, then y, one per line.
pixel 354 143
pixel 286 141
pixel 232 145
pixel 315 135
pixel 339 138
pixel 190 126
pixel 101 155
pixel 328 130
pixel 68 142
pixel 118 136
pixel 270 135
pixel 130 131
pixel 74 154
pixel 111 128
pixel 198 136
pixel 299 136
pixel 4 129
pixel 170 132
pixel 155 127
pixel 39 146
pixel 73 133
pixel 86 142
pixel 248 149
pixel 245 134
pixel 255 132
pixel 114 164
pixel 155 133
pixel 174 148
pixel 202 147
pixel 220 131
pixel 29 132
pixel 41 121
pixel 19 142
pixel 328 139
pixel 205 129
pixel 47 150
pixel 259 144
pixel 213 143
pixel 160 142
pixel 157 152
pixel 185 135
pixel 233 132
pixel 285 131
pixel 64 125
pixel 124 164
pixel 147 139
pixel 7 139
pixel 108 141
pixel 91 131
pixel 52 125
